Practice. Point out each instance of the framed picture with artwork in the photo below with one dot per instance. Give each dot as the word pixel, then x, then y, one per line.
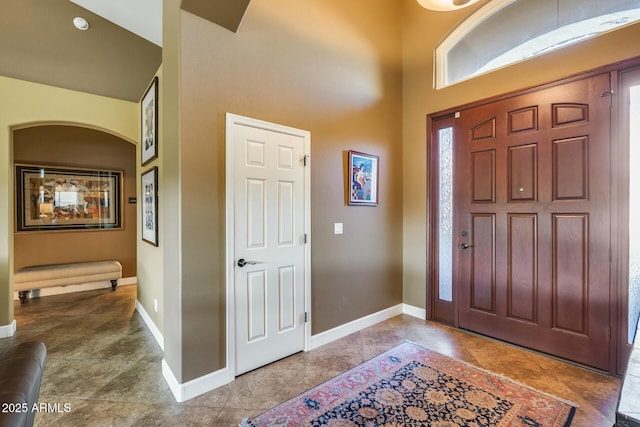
pixel 363 179
pixel 149 123
pixel 59 198
pixel 149 193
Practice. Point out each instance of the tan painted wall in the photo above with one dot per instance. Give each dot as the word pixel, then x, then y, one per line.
pixel 150 277
pixel 169 197
pixel 24 103
pixel 332 67
pixel 422 31
pixel 77 147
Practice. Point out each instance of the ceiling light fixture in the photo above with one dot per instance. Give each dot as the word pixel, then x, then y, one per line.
pixel 81 23
pixel 444 5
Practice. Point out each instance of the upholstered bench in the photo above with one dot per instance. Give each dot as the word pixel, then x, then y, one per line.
pixel 43 276
pixel 21 368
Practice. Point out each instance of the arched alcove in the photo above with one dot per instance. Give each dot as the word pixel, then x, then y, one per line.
pixel 77 147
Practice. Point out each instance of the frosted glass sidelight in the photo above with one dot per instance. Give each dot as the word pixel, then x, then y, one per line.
pixel 445 214
pixel 634 212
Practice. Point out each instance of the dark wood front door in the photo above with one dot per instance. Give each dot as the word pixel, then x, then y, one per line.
pixel 532 194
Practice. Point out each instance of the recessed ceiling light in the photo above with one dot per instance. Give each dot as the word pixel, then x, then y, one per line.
pixel 81 23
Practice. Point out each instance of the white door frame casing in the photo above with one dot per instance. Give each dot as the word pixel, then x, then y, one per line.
pixel 231 120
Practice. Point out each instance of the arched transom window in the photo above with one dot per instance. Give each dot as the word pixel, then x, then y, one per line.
pixel 507 31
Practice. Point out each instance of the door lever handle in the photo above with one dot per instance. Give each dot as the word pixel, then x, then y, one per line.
pixel 465 246
pixel 242 262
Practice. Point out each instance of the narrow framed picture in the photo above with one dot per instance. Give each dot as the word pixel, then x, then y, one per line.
pixel 149 123
pixel 149 193
pixel 363 179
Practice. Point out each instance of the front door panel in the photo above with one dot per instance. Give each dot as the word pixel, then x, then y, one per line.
pixel 533 198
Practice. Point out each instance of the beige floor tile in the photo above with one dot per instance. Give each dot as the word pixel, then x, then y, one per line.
pixel 105 364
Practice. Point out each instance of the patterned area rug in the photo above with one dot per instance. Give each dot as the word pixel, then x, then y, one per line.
pixel 412 386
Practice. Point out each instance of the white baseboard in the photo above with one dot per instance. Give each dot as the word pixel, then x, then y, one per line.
pixel 414 311
pixel 354 326
pixel 127 281
pixel 92 286
pixel 195 387
pixel 152 326
pixel 364 322
pixel 216 379
pixel 9 330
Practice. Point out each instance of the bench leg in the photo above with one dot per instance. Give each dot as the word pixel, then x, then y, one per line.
pixel 114 283
pixel 24 296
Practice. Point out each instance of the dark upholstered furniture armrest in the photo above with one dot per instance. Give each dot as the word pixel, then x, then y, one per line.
pixel 21 367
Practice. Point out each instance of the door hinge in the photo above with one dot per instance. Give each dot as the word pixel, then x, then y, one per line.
pixel 306 317
pixel 305 159
pixel 306 238
pixel 609 333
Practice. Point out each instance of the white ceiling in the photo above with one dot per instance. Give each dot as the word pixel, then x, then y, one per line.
pixel 141 17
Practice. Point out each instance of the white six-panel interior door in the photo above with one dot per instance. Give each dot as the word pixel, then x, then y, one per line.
pixel 268 251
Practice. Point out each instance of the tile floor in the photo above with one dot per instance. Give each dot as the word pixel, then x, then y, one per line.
pixel 105 364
